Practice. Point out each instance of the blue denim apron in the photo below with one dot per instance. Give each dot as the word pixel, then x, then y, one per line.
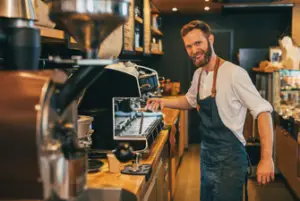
pixel 224 159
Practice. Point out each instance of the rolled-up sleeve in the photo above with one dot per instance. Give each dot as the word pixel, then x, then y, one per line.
pixel 248 95
pixel 191 95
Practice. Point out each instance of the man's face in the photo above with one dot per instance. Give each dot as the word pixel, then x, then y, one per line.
pixel 198 47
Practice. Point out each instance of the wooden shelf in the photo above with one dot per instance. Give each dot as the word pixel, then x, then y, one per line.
pixel 51 33
pixel 139 49
pixel 54 35
pixel 156 31
pixel 157 52
pixel 139 20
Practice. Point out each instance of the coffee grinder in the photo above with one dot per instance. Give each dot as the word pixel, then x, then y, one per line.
pixel 39 145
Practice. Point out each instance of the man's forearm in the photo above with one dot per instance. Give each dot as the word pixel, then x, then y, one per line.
pixel 177 103
pixel 265 129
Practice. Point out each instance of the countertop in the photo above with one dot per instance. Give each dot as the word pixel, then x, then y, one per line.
pixel 132 183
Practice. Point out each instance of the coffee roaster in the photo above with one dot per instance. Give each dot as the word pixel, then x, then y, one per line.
pixel 42 158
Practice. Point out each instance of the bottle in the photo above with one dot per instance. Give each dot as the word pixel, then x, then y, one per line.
pixel 137 37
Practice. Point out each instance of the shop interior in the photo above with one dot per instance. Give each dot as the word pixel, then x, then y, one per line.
pixel 75 74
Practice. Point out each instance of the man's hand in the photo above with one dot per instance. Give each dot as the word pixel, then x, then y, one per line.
pixel 155 104
pixel 265 171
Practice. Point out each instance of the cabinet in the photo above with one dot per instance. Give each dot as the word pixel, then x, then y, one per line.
pixel 158 186
pixel 286 93
pixel 288 158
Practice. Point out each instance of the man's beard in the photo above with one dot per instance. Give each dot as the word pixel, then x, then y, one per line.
pixel 207 56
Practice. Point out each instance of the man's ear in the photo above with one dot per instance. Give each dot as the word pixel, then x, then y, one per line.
pixel 211 39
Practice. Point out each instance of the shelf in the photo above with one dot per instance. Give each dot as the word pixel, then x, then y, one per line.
pixel 139 20
pixel 290 90
pixel 156 31
pixel 139 49
pixel 157 52
pixel 53 35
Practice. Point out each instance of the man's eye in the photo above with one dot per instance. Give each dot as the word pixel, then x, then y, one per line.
pixel 198 43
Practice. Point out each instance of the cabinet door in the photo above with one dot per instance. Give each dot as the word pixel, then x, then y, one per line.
pixel 162 184
pixel 287 155
pixel 151 194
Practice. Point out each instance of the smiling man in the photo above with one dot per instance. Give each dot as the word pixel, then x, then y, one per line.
pixel 222 92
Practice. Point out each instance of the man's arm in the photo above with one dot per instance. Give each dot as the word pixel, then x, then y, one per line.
pixel 174 103
pixel 189 101
pixel 249 97
pixel 178 103
pixel 265 130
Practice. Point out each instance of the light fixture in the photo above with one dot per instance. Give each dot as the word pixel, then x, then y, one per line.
pixel 206 8
pixel 207 0
pixel 174 9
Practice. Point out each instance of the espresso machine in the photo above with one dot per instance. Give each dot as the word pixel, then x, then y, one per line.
pixel 41 157
pixel 116 103
pixel 103 101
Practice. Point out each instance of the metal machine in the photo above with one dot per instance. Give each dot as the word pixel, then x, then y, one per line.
pixel 121 82
pixel 115 102
pixel 42 159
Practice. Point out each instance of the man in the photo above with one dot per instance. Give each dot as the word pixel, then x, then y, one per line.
pixel 222 92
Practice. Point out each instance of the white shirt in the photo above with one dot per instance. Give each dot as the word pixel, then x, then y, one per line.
pixel 235 93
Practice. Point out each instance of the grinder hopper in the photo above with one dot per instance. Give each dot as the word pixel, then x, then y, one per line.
pixel 89 22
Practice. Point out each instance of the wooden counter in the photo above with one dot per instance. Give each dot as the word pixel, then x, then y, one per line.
pixel 170 116
pixel 137 184
pixel 288 158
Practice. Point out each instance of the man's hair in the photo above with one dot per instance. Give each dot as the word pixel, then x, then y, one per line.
pixel 196 24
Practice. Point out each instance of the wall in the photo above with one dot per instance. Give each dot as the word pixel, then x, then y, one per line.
pixel 259 30
pixel 296 24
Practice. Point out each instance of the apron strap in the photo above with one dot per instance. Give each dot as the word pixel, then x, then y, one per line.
pixel 213 90
pixel 198 89
pixel 199 82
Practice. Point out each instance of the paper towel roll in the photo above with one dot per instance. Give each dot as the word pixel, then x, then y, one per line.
pixel 112 45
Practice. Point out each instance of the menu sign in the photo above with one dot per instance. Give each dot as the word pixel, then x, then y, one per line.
pixel 129 29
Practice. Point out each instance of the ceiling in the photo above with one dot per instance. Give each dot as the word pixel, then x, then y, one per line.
pixel 197 6
pixel 186 6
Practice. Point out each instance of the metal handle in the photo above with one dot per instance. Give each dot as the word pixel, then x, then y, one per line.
pixel 141 123
pixel 75 85
pixel 145 85
pixel 46 1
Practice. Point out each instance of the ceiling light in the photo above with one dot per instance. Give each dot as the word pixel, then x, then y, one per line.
pixel 207 0
pixel 206 8
pixel 174 9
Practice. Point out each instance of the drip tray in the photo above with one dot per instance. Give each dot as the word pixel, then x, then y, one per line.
pixel 97 155
pixel 94 166
pixel 144 169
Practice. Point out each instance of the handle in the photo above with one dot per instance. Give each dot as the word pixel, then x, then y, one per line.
pixel 124 152
pixel 75 85
pixel 46 1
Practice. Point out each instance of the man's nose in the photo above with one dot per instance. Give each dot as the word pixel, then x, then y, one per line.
pixel 194 49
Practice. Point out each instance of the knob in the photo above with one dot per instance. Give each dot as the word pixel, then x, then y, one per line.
pixel 124 152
